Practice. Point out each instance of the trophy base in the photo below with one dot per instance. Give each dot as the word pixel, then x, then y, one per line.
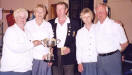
pixel 49 60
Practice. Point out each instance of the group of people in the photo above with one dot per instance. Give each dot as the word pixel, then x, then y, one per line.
pixel 99 45
pixel 96 48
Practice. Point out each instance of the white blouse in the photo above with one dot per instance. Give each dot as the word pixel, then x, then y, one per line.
pixel 36 32
pixel 17 51
pixel 85 45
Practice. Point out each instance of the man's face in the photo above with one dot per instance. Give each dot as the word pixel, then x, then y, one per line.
pixel 39 13
pixel 101 13
pixel 61 10
pixel 21 19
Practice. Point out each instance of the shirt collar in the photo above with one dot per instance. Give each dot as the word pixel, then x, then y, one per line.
pixel 105 21
pixel 37 24
pixel 16 26
pixel 91 28
pixel 67 20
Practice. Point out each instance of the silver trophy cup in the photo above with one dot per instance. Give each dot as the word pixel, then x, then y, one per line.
pixel 50 43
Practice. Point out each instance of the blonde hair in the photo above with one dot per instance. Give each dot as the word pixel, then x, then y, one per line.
pixel 40 6
pixel 20 10
pixel 85 11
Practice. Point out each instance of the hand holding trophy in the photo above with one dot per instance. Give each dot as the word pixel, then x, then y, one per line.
pixel 50 43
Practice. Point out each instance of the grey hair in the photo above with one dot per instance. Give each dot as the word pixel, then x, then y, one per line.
pixel 102 4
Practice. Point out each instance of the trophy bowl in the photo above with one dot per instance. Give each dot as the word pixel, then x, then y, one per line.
pixel 50 43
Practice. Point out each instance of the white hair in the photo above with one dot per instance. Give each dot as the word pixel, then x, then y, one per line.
pixel 20 10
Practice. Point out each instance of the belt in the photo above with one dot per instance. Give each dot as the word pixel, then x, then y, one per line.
pixel 106 54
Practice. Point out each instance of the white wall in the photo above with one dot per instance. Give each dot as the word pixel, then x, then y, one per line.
pixel 122 10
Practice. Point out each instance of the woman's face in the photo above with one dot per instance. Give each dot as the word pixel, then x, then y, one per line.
pixel 40 13
pixel 21 19
pixel 87 18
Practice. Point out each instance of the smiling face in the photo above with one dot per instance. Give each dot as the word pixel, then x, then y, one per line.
pixel 20 16
pixel 39 13
pixel 21 19
pixel 87 18
pixel 101 12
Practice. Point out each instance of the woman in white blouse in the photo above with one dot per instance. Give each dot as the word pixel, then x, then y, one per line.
pixel 85 45
pixel 17 49
pixel 39 29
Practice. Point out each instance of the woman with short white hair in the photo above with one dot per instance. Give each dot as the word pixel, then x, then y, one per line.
pixel 17 49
